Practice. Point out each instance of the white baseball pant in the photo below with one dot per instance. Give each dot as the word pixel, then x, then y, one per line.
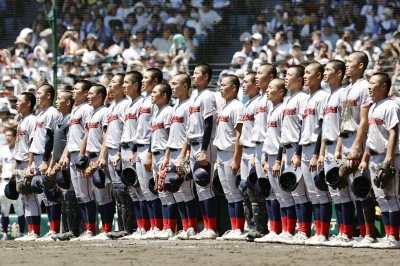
pixel 135 193
pixel 144 176
pixel 245 163
pixel 226 176
pixel 185 192
pixel 83 186
pixel 102 195
pixel 285 198
pixel 6 203
pixel 31 202
pixel 166 197
pixel 300 195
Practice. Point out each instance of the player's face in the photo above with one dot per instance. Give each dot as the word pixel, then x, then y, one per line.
pixel 227 88
pixel 273 93
pixel 156 96
pixel 290 78
pixel 61 103
pixel 92 97
pixel 352 66
pixel 248 86
pixel 198 77
pixel 310 76
pixel 21 103
pixel 262 77
pixel 147 82
pixel 10 138
pixel 115 85
pixel 77 93
pixel 330 74
pixel 41 97
pixel 177 87
pixel 128 86
pixel 375 88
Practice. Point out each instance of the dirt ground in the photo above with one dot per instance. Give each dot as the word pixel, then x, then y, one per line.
pixel 185 253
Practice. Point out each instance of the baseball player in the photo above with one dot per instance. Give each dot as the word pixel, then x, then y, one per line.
pixel 249 111
pixel 227 141
pixel 200 133
pixel 356 102
pixel 114 123
pixel 278 222
pixel 301 208
pixel 151 78
pixel 333 75
pixel 25 105
pixel 69 204
pixel 80 116
pixel 132 88
pixel 91 146
pixel 310 140
pixel 41 148
pixel 6 169
pixel 382 151
pixel 160 125
pixel 184 197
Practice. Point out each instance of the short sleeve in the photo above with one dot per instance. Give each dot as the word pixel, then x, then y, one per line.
pixel 51 120
pixel 209 106
pixel 392 117
pixel 87 114
pixel 238 116
pixel 167 118
pixel 365 98
pixel 320 108
pixel 300 106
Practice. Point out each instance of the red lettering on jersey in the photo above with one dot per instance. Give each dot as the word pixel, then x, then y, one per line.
pixel 21 133
pixel 93 125
pixel 111 118
pixel 308 111
pixel 330 109
pixel 74 122
pixel 176 119
pixel 39 125
pixel 222 119
pixel 354 102
pixel 377 121
pixel 261 109
pixel 144 110
pixel 130 116
pixel 194 109
pixel 156 126
pixel 272 124
pixel 289 112
pixel 248 117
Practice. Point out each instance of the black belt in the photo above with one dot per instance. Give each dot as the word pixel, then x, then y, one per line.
pixel 125 145
pixel 258 143
pixel 194 143
pixel 141 145
pixel 156 153
pixel 305 145
pixel 344 135
pixel 93 154
pixel 6 179
pixel 328 142
pixel 247 147
pixel 373 153
pixel 218 149
pixel 18 161
pixel 172 149
pixel 288 146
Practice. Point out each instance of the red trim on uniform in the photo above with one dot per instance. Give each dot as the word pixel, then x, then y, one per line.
pixel 278 227
pixel 370 230
pixel 185 223
pixel 348 230
pixel 92 228
pixel 192 222
pixel 362 229
pixel 233 223
pixel 317 227
pixel 212 224
pixel 36 228
pixel 324 229
pixel 284 223
pixel 240 224
pixel 106 227
pixel 388 230
pixel 291 225
pixel 56 226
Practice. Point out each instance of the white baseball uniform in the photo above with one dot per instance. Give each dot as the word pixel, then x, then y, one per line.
pixel 80 116
pixel 228 118
pixel 330 134
pixel 249 112
pixel 115 120
pixel 290 137
pixel 311 112
pixel 201 106
pixel 159 139
pixel 382 117
pixel 95 127
pixel 259 132
pixel 142 141
pixel 271 148
pixel 127 139
pixel 177 135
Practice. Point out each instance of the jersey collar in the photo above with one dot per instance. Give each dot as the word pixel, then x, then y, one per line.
pixel 183 101
pixel 252 99
pixel 162 108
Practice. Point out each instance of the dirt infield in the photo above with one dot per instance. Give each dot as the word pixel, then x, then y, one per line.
pixel 185 253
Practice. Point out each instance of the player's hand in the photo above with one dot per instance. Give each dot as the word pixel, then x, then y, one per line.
pixel 276 169
pixel 235 165
pixel 253 161
pixel 337 156
pixel 31 169
pixel 102 163
pixel 321 160
pixel 43 167
pixel 14 173
pixel 131 158
pixel 313 163
pixel 164 163
pixel 116 160
pixel 265 168
pixel 355 162
pixel 296 161
pixel 203 158
pixel 65 162
pixel 363 166
pixel 148 162
pixel 178 164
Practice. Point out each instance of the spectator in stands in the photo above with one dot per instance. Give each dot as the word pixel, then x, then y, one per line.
pixel 260 26
pixel 301 19
pixel 275 22
pixel 372 51
pixel 309 28
pixel 124 10
pixel 133 52
pixel 22 47
pixel 283 48
pixel 178 53
pixel 141 37
pixel 328 35
pixel 153 27
pixel 385 29
pixel 341 53
pixel 27 34
pixel 256 39
pixel 87 24
pixel 141 16
pixel 240 61
pixel 103 33
pixel 69 42
pixel 90 46
pixel 163 44
pixel 111 16
pixel 67 20
pixel 209 17
pixel 194 22
pixel 270 50
pixel 191 41
pixel 324 13
pixel 118 38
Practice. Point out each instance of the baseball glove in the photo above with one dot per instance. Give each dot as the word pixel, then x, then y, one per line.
pixel 160 180
pixel 185 169
pixel 345 170
pixel 90 170
pixel 24 184
pixel 384 173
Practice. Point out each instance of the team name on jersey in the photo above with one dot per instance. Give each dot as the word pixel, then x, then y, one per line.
pixel 308 111
pixel 39 125
pixel 222 118
pixel 194 109
pixel 177 119
pixel 111 118
pixel 330 110
pixel 261 109
pixel 75 122
pixel 130 116
pixel 377 121
pixel 156 126
pixel 289 112
pixel 248 117
pixel 350 102
pixel 21 133
pixel 93 125
pixel 144 110
pixel 272 124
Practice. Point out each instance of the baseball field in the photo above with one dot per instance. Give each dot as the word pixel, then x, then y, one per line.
pixel 185 253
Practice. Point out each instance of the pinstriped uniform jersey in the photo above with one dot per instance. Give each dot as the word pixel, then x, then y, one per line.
pixel 179 122
pixel 80 115
pixel 115 122
pixel 130 120
pixel 271 143
pixel 24 135
pixel 44 121
pixel 259 132
pixel 144 116
pixel 95 129
pixel 159 125
pixel 249 111
pixel 332 116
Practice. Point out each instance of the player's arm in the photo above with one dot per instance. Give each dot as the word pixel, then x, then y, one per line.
pixel 208 126
pixel 296 159
pixel 14 172
pixel 338 150
pixel 182 155
pixel 84 142
pixel 235 165
pixel 364 162
pixel 317 150
pixel 362 130
pixel 167 155
pixel 148 162
pixel 392 144
pixel 48 148
pixel 104 151
pixel 322 152
pixel 30 163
